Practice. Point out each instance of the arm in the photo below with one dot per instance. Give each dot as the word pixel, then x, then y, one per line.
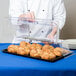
pixel 52 34
pixel 59 16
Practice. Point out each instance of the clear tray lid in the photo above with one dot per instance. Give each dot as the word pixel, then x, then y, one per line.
pixel 37 29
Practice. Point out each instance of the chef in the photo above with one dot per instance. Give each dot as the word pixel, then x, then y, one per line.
pixel 41 11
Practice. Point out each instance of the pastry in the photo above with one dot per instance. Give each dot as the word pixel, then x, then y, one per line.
pixel 38 46
pixel 35 53
pixel 13 48
pixel 24 44
pixel 48 56
pixel 45 56
pixel 33 46
pixel 16 47
pixel 48 47
pixel 57 52
pixel 52 56
pixel 27 50
pixel 21 51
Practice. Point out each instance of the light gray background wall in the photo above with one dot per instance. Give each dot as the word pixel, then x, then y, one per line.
pixel 6 30
pixel 69 30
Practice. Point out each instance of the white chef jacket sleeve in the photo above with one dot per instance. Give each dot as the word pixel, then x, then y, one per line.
pixel 59 13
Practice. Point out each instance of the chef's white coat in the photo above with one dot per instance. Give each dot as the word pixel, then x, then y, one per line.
pixel 52 10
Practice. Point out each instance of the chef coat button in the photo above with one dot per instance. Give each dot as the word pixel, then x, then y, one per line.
pixel 28 10
pixel 42 31
pixel 30 31
pixel 43 10
pixel 37 22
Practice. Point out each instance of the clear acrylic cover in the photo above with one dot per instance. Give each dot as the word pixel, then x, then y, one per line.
pixel 36 30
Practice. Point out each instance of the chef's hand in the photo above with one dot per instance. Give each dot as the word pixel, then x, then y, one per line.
pixel 51 37
pixel 27 16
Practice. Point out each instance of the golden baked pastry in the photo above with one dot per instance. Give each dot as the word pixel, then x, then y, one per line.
pixel 35 53
pixel 24 44
pixel 13 48
pixel 63 51
pixel 52 56
pixel 47 50
pixel 36 46
pixel 28 45
pixel 39 51
pixel 33 46
pixel 48 56
pixel 51 48
pixel 45 47
pixel 16 47
pixel 35 50
pixel 21 51
pixel 45 56
pixel 57 51
pixel 27 50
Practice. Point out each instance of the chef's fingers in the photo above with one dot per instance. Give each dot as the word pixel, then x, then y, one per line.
pixel 26 16
pixel 32 16
pixel 45 42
